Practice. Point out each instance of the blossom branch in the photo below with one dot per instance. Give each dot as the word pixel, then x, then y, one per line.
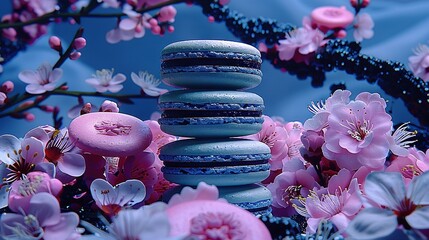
pixel 85 12
pixel 125 98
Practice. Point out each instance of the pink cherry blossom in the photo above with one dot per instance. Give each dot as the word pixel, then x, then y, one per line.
pixel 140 167
pixel 41 7
pixel 300 42
pixel 419 62
pixel 43 79
pixel 21 191
pixel 336 205
pixel 18 158
pixel 112 199
pixel 148 83
pixel 109 106
pixel 167 14
pixel 293 183
pixel 363 27
pixel 274 135
pixel 42 220
pixel 414 164
pixel 202 192
pixel 293 141
pixel 321 110
pixel 103 81
pixel 60 151
pixel 357 132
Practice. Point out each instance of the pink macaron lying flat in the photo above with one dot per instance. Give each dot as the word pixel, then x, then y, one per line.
pixel 332 17
pixel 208 219
pixel 110 134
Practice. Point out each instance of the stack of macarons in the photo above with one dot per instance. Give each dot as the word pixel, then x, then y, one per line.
pixel 210 109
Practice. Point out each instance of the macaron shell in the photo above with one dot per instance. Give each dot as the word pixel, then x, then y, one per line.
pixel 110 134
pixel 181 219
pixel 210 45
pixel 218 180
pixel 212 80
pixel 252 196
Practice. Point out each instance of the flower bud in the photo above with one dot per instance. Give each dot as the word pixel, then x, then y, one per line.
pixel 55 43
pixel 75 55
pixel 79 43
pixel 7 87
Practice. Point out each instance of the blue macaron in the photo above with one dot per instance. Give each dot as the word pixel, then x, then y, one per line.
pixel 211 64
pixel 220 162
pixel 204 114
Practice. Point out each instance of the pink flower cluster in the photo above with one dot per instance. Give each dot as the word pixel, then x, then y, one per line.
pixel 344 170
pixel 24 11
pixel 324 22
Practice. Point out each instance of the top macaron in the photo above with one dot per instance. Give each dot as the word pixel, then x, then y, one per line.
pixel 211 64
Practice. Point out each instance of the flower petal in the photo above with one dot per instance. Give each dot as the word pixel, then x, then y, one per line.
pixel 72 164
pixel 38 133
pixel 417 190
pixel 55 75
pixel 64 228
pixel 9 146
pixel 32 150
pixel 45 208
pixel 35 89
pixel 419 218
pixel 385 188
pixel 102 192
pixel 28 76
pixel 130 192
pixel 372 223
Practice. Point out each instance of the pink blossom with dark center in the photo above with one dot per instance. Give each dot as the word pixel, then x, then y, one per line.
pixel 410 166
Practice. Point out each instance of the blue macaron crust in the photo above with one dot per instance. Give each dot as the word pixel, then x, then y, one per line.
pixel 220 162
pixel 211 64
pixel 210 114
pixel 253 197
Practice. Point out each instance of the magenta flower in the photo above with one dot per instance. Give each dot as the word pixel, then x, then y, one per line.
pixel 109 106
pixel 293 140
pixel 293 183
pixel 419 63
pixel 321 110
pixel 21 191
pixel 338 206
pixel 395 205
pixel 140 167
pixel 112 199
pixel 202 192
pixel 363 27
pixel 148 83
pixel 43 220
pixel 103 81
pixel 410 166
pixel 301 41
pixel 43 79
pixel 357 133
pixel 19 158
pixel 274 136
pixel 60 151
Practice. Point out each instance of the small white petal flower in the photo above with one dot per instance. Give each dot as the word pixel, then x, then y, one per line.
pixel 43 79
pixel 363 27
pixel 148 83
pixel 103 80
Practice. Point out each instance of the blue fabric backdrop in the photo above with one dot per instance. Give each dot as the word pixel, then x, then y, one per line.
pixel 400 26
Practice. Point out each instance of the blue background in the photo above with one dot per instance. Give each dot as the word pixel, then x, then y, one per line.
pixel 400 26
